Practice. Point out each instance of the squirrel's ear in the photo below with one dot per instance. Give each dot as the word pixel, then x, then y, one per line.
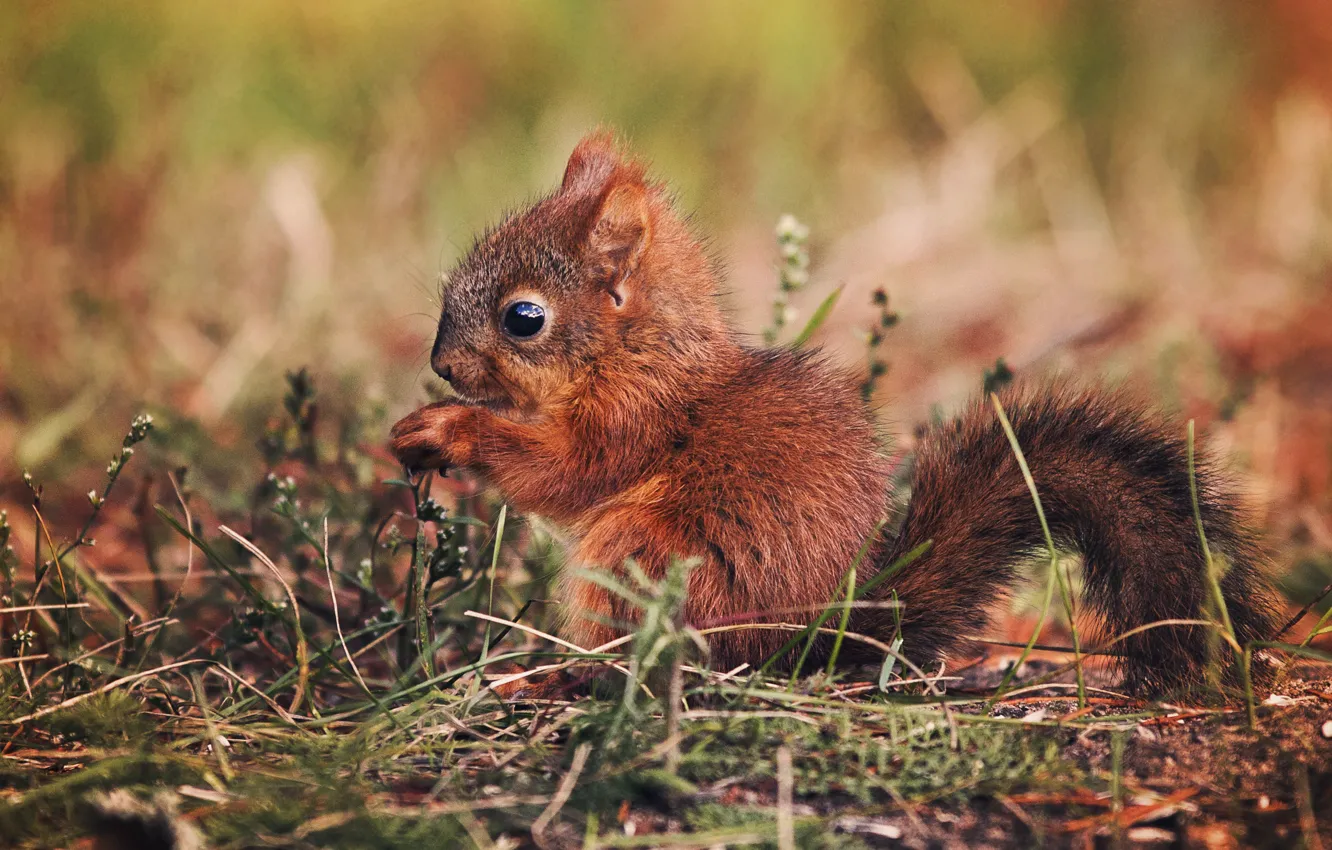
pixel 621 233
pixel 593 161
pixel 612 192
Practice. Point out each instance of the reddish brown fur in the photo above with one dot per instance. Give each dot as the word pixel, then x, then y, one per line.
pixel 636 420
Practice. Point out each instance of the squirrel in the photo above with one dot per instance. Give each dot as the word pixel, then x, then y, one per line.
pixel 601 386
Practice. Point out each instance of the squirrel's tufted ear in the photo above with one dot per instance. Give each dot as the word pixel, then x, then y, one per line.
pixel 622 232
pixel 619 227
pixel 593 161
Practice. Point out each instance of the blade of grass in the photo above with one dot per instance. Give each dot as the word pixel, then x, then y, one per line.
pixel 251 592
pixel 52 607
pixel 1214 584
pixel 66 623
pixel 850 581
pixel 410 640
pixel 1308 606
pixel 1318 627
pixel 337 615
pixel 420 607
pixel 189 568
pixel 1299 650
pixel 846 617
pixel 302 648
pixel 107 688
pixel 785 807
pixel 1056 578
pixel 210 728
pixel 870 583
pixel 490 618
pixel 562 794
pixel 820 316
pixel 494 565
pixel 1119 638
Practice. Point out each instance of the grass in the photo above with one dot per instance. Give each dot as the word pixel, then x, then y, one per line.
pixel 324 680
pixel 1056 578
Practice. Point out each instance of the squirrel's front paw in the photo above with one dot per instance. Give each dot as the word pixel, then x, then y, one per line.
pixel 435 437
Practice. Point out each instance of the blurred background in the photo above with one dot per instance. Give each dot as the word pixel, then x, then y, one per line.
pixel 195 198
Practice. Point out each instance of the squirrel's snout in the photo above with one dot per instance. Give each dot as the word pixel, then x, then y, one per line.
pixel 439 360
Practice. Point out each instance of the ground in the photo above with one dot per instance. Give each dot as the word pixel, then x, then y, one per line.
pixel 350 673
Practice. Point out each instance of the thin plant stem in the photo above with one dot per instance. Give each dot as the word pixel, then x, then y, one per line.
pixel 337 615
pixel 1242 656
pixel 1213 583
pixel 812 632
pixel 420 608
pixel 302 648
pixel 1056 576
pixel 846 617
pixel 494 564
pixel 1031 643
pixel 189 568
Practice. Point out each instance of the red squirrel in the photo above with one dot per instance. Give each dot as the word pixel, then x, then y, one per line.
pixel 600 385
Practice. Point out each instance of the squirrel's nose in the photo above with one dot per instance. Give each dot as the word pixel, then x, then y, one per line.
pixel 442 366
pixel 438 357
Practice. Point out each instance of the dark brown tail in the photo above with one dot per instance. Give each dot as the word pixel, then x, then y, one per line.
pixel 1114 485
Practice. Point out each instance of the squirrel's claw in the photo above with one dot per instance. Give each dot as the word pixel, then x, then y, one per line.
pixel 422 439
pixel 414 444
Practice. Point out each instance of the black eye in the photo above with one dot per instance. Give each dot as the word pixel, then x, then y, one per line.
pixel 524 319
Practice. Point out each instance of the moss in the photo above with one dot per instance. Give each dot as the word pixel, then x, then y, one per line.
pixel 810 833
pixel 106 720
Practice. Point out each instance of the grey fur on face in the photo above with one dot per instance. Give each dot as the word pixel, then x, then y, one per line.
pixel 532 254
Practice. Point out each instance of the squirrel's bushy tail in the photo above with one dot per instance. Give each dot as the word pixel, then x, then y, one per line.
pixel 1114 485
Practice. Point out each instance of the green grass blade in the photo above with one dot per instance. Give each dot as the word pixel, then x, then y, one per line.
pixel 494 565
pixel 1056 578
pixel 820 316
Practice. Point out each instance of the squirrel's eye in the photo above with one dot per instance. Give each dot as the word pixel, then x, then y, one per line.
pixel 524 319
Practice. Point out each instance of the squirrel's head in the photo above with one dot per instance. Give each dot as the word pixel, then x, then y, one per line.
pixel 601 267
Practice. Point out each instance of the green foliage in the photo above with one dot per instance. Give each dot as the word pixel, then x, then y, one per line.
pixel 874 337
pixel 105 721
pixel 810 833
pixel 407 748
pixel 908 752
pixel 8 561
pixel 996 377
pixel 792 275
pixel 149 148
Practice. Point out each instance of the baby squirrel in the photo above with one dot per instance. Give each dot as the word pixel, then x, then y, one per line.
pixel 601 386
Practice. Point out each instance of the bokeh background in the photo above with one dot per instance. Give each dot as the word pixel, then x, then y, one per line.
pixel 196 197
